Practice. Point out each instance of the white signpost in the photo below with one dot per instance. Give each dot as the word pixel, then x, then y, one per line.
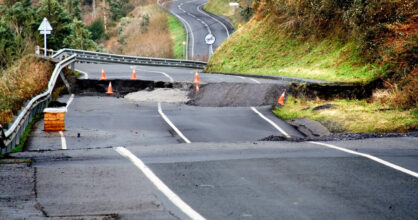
pixel 210 39
pixel 45 28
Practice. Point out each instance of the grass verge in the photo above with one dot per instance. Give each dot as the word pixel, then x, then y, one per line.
pixel 352 115
pixel 178 35
pixel 25 135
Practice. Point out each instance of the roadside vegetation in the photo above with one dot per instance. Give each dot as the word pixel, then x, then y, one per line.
pixel 351 115
pixel 178 35
pixel 242 14
pixel 352 41
pixel 26 78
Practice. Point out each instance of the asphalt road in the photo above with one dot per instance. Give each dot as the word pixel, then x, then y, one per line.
pixel 97 122
pixel 198 24
pixel 252 180
pixel 158 73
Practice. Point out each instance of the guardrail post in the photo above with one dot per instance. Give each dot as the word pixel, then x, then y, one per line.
pixel 2 139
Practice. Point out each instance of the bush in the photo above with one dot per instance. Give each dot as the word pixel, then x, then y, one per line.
pixel 97 30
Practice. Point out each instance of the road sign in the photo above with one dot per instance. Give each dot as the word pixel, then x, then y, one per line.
pixel 210 39
pixel 45 28
pixel 45 32
pixel 234 4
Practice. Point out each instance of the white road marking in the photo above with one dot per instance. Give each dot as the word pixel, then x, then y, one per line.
pixel 271 122
pixel 165 74
pixel 63 142
pixel 184 22
pixel 173 197
pixel 70 100
pixel 386 163
pixel 172 125
pixel 203 12
pixel 86 75
pixel 248 78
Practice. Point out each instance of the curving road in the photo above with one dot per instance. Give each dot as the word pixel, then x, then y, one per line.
pixel 198 24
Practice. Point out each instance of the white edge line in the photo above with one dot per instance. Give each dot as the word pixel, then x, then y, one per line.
pixel 63 142
pixel 386 163
pixel 86 75
pixel 187 24
pixel 152 71
pixel 70 100
pixel 173 197
pixel 172 125
pixel 271 122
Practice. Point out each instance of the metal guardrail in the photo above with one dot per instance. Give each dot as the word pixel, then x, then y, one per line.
pixel 96 57
pixel 11 137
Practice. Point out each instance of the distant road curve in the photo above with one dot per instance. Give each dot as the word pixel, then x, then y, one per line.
pixel 198 24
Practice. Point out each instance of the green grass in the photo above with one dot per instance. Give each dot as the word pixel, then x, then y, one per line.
pixel 260 48
pixel 178 34
pixel 25 135
pixel 352 115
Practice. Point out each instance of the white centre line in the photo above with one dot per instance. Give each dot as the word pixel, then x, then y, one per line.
pixel 63 142
pixel 172 125
pixel 173 197
pixel 165 74
pixel 271 122
pixel 248 78
pixel 386 163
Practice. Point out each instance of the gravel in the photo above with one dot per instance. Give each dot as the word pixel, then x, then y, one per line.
pixel 159 95
pixel 341 137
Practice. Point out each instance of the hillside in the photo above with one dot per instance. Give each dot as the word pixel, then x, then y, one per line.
pixel 328 40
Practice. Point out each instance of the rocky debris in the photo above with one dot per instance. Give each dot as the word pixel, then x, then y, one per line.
pixel 237 94
pixel 341 137
pixel 159 95
pixel 308 127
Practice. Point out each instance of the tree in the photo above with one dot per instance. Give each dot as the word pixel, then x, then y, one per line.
pixel 7 44
pixel 79 38
pixel 73 8
pixel 97 30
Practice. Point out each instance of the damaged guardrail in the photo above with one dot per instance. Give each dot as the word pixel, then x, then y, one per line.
pixel 96 57
pixel 11 137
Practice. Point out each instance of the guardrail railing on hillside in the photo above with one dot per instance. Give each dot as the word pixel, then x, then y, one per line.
pixel 97 57
pixel 11 137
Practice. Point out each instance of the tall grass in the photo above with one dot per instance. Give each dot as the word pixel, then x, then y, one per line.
pixel 26 78
pixel 144 32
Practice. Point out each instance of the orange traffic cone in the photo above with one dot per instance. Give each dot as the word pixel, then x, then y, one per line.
pixel 196 78
pixel 103 76
pixel 197 87
pixel 133 77
pixel 281 98
pixel 109 89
